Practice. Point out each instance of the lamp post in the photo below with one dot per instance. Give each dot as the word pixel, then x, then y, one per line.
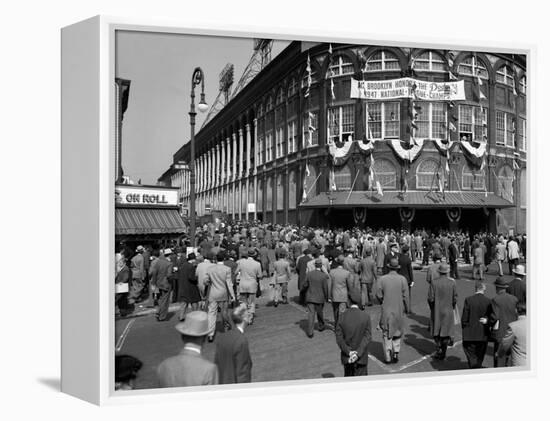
pixel 198 78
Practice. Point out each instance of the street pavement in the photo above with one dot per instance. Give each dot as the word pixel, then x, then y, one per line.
pixel 280 349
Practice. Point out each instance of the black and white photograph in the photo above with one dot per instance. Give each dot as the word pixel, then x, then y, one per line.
pixel 300 209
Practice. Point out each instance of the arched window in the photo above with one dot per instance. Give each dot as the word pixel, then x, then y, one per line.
pixel 523 85
pixel 269 195
pixel 251 193
pixel 292 87
pixel 505 75
pixel 292 190
pixel 426 174
pixel 280 96
pixel 382 60
pixel 310 181
pixel 341 65
pixel 385 173
pixel 505 183
pixel 472 180
pixel 269 104
pixel 259 200
pixel 342 178
pixel 473 66
pixel 430 61
pixel 280 192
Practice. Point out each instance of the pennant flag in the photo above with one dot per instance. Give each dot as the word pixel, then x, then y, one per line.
pixel 330 49
pixel 311 127
pixel 515 164
pixel 307 171
pixel 310 137
pixel 332 181
pixel 332 89
pixel 308 70
pixel 481 94
pixel 440 182
pixel 452 127
pixel 304 194
pixel 379 188
pixel 515 92
pixel 451 104
pixel 452 76
pixel 450 57
pixel 447 169
pixel 413 125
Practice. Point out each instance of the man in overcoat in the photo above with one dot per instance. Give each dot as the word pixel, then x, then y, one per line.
pixel 442 298
pixel 393 293
pixel 503 312
pixel 475 328
pixel 353 335
pixel 368 278
pixel 160 277
pixel 188 290
pixel 452 257
pixel 316 295
pixel 232 352
pixel 518 286
pixel 301 269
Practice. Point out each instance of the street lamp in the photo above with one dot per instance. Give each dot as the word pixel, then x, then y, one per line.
pixel 197 78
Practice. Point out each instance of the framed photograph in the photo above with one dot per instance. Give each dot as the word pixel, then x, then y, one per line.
pixel 263 209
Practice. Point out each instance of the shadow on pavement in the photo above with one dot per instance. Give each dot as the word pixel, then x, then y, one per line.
pixel 53 383
pixel 449 363
pixel 422 346
pixel 327 375
pixel 376 349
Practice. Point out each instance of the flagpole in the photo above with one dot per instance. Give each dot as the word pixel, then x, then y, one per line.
pixel 352 186
pixel 307 194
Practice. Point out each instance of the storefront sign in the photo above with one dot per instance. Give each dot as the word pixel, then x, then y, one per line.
pixel 407 88
pixel 143 196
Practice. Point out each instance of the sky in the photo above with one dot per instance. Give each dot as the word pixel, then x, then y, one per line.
pixel 160 66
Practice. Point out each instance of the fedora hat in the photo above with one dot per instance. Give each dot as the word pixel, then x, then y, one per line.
pixel 195 324
pixel 251 252
pixel 519 270
pixel 394 264
pixel 140 248
pixel 501 283
pixel 167 251
pixel 444 268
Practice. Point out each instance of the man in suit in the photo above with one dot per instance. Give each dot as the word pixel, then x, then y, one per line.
pixel 161 274
pixel 380 255
pixel 301 269
pixel 138 275
pixel 338 281
pixel 433 270
pixel 503 312
pixel 202 267
pixel 316 295
pixel 353 334
pixel 232 353
pixel 518 286
pixel 393 293
pixel 189 368
pixel 514 342
pixel 442 297
pixel 368 278
pixel 406 269
pixel 453 259
pixel 249 273
pixel 475 332
pixel 219 289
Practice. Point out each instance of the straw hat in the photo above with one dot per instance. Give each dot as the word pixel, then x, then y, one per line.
pixel 195 324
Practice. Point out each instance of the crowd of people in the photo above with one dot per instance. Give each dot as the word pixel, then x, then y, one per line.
pixel 349 269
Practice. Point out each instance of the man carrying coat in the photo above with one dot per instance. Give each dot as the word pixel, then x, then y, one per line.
pixel 475 331
pixel 353 334
pixel 393 293
pixel 442 298
pixel 503 313
pixel 316 295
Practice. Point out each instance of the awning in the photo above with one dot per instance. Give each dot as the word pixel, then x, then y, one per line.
pixel 148 221
pixel 413 199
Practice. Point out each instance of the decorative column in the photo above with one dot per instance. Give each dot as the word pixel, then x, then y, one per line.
pixel 255 170
pixel 228 160
pixel 247 167
pixel 234 150
pixel 198 172
pixel 223 161
pixel 241 171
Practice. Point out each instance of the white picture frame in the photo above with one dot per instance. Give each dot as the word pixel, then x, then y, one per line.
pixel 88 121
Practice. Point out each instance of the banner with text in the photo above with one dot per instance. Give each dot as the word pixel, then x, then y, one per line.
pixel 407 88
